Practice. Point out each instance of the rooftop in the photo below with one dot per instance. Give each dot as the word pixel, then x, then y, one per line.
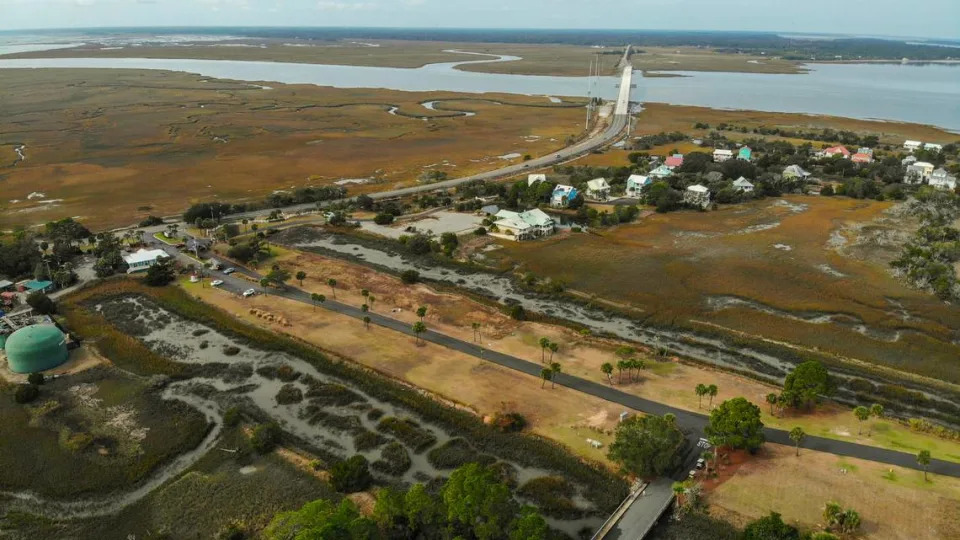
pixel 144 255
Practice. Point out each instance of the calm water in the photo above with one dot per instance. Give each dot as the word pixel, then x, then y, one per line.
pixel 926 94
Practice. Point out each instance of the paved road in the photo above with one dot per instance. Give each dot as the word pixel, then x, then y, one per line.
pixel 692 423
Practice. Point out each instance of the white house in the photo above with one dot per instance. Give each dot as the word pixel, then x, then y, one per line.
pixel 523 225
pixel 912 145
pixel 940 178
pixel 865 150
pixel 697 195
pixel 933 147
pixel 720 155
pixel 598 189
pixel 534 178
pixel 562 195
pixel 918 172
pixel 909 160
pixel 636 183
pixel 743 185
pixel 142 259
pixel 661 172
pixel 795 172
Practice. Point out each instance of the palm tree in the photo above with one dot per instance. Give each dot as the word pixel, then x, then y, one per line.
pixel 555 368
pixel 607 369
pixel 301 275
pixel 545 373
pixel 544 344
pixel 333 287
pixel 419 328
pixel 366 322
pixel 678 490
pixel 476 329
pixel 364 293
pixel 364 308
pixel 712 392
pixel 244 221
pixel 317 299
pixel 796 435
pixel 263 283
pixel 621 365
pixel 876 411
pixel 772 400
pixel 554 347
pixel 923 459
pixel 371 300
pixel 422 312
pixel 862 413
pixel 700 390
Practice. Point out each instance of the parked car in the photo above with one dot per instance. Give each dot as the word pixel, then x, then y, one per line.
pixel 700 463
pixel 230 270
pixel 216 282
pixel 249 292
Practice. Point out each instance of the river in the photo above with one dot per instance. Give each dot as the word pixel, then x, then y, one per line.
pixel 925 94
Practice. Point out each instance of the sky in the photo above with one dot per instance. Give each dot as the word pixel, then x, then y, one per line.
pixel 930 18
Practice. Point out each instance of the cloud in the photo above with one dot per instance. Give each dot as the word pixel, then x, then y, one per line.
pixel 340 5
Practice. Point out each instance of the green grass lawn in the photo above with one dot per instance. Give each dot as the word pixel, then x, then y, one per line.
pixel 170 241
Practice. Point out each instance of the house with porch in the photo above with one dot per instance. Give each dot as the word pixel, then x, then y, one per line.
pixel 911 146
pixel 636 183
pixel 860 157
pixel 674 161
pixel 523 225
pixel 941 179
pixel 697 195
pixel 562 195
pixel 745 154
pixel 918 172
pixel 142 259
pixel 661 172
pixel 721 154
pixel 835 151
pixel 743 185
pixel 598 189
pixel 794 172
pixel 933 147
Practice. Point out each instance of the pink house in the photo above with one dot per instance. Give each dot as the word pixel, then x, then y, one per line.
pixel 861 158
pixel 674 161
pixel 836 150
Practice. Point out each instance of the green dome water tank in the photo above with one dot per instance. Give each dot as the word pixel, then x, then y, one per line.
pixel 36 348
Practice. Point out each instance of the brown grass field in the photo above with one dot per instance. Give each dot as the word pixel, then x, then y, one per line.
pixel 894 503
pixel 536 59
pixel 670 382
pixel 762 254
pixel 101 144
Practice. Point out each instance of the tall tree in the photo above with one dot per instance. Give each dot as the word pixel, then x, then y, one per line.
pixel 333 287
pixel 422 312
pixel 712 391
pixel 647 445
pixel 862 413
pixel 301 275
pixel 317 299
pixel 607 369
pixel 544 344
pixel 807 383
pixel 772 400
pixel 923 459
pixel 700 390
pixel 264 282
pixel 545 374
pixel 476 329
pixel 735 423
pixel 475 499
pixel 419 328
pixel 797 435
pixel 876 411
pixel 555 370
pixel 366 322
pixel 554 347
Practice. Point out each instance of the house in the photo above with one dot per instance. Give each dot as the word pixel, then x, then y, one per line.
pixel 720 155
pixel 865 150
pixel 940 178
pixel 745 153
pixel 661 172
pixel 697 195
pixel 909 160
pixel 674 161
pixel 490 209
pixel 142 259
pixel 918 172
pixel 910 146
pixel 743 185
pixel 5 284
pixel 835 151
pixel 794 172
pixel 636 183
pixel 562 195
pixel 860 157
pixel 523 225
pixel 598 189
pixel 698 142
pixel 713 176
pixel 933 147
pixel 34 285
pixel 534 178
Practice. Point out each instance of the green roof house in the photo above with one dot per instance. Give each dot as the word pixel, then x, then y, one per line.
pixel 36 348
pixel 745 153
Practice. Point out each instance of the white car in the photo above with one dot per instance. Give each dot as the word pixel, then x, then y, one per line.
pixel 249 292
pixel 216 282
pixel 230 270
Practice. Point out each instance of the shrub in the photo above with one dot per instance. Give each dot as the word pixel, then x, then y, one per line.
pixel 383 218
pixel 265 437
pixel 351 475
pixel 232 531
pixel 230 350
pixel 480 231
pixel 41 303
pixel 232 416
pixel 552 495
pixel 368 440
pixel 75 442
pixel 150 221
pixel 827 190
pixel 408 432
pixel 26 393
pixel 518 313
pixel 455 453
pixel 35 379
pixel 394 460
pixel 410 276
pixel 289 394
pixel 511 422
